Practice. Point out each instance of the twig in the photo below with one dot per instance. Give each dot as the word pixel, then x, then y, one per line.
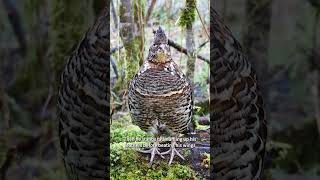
pixel 184 50
pixel 202 22
pixel 150 9
pixel 203 44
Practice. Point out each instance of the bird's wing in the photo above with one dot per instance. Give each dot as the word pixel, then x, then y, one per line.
pixel 83 105
pixel 238 119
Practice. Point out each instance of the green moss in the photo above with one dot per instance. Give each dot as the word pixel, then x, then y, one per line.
pixel 133 57
pixel 203 127
pixel 122 134
pixel 121 129
pixel 132 66
pixel 119 155
pixel 188 14
pixel 116 125
pixel 126 163
pixel 180 172
pixel 185 152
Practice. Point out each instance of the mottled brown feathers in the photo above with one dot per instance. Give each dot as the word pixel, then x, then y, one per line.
pixel 238 124
pixel 160 95
pixel 83 105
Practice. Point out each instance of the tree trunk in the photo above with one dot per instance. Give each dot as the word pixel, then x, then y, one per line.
pixel 256 39
pixel 131 32
pixel 150 9
pixel 186 20
pixel 114 14
pixel 190 48
pixel 67 23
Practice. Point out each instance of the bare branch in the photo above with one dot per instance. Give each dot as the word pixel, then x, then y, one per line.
pixel 184 50
pixel 203 44
pixel 202 22
pixel 150 9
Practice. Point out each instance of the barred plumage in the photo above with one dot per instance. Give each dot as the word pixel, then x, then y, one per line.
pixel 238 124
pixel 83 105
pixel 160 95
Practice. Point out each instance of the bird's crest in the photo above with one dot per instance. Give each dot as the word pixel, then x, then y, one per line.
pixel 160 36
pixel 159 51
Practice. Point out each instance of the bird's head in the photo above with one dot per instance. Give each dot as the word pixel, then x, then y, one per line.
pixel 159 51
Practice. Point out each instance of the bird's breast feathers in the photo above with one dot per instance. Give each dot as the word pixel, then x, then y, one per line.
pixel 167 67
pixel 160 80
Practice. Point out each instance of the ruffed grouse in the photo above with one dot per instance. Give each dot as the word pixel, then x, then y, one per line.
pixel 160 96
pixel 238 124
pixel 83 105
